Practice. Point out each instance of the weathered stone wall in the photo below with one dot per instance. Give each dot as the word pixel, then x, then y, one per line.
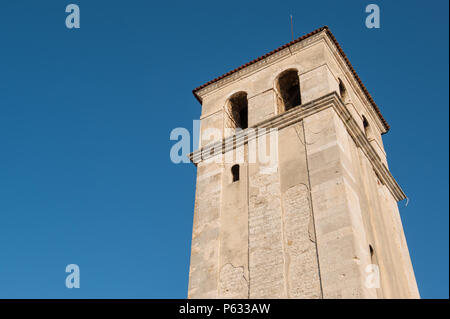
pixel 341 237
pixel 203 274
pixel 265 235
pixel 355 100
pixel 301 264
pixel 233 259
pixel 301 228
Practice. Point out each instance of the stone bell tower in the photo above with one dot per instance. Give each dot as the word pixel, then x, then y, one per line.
pixel 322 220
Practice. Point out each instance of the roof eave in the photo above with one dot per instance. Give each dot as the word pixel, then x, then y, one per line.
pixel 330 34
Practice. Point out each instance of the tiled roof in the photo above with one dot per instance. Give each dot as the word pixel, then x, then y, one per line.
pixel 327 30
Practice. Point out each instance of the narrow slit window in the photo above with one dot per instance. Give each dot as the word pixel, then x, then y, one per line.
pixel 366 126
pixel 235 172
pixel 342 91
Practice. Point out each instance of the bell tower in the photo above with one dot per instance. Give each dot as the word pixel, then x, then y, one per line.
pixel 294 198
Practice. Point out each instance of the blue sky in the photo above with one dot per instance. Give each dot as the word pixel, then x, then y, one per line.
pixel 85 119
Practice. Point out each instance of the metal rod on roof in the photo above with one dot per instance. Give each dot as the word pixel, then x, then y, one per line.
pixel 292 29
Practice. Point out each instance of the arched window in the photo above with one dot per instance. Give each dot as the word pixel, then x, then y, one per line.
pixel 238 110
pixel 288 90
pixel 342 91
pixel 235 172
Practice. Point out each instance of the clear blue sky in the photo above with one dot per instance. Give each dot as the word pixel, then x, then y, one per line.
pixel 85 118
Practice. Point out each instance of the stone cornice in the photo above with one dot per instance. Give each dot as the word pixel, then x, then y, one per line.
pixel 296 115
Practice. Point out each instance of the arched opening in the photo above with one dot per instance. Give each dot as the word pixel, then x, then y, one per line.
pixel 235 172
pixel 342 90
pixel 366 126
pixel 238 110
pixel 288 90
pixel 371 253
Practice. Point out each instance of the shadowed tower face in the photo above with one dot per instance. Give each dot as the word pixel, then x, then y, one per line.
pixel 320 219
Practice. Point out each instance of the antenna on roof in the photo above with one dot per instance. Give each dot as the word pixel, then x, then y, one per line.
pixel 292 29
